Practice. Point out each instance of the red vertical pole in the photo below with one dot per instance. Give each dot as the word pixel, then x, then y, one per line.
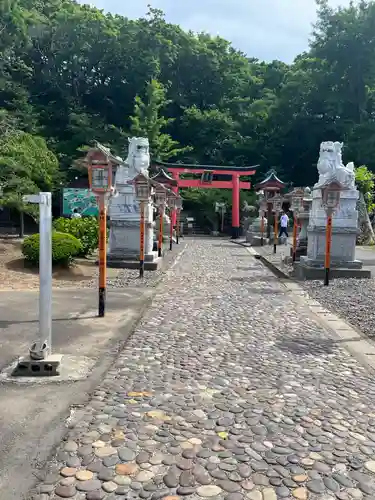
pixel 327 257
pixel 102 255
pixel 161 221
pixel 295 228
pixel 235 206
pixel 175 176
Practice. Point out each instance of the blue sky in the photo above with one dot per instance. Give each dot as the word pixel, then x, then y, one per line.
pixel 266 29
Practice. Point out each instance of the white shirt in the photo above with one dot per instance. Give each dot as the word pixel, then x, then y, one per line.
pixel 284 220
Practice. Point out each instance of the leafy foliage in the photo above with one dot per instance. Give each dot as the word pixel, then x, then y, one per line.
pixel 148 122
pixel 85 229
pixel 365 180
pixel 27 166
pixel 65 247
pixel 71 73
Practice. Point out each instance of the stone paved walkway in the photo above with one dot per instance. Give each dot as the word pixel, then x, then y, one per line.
pixel 227 390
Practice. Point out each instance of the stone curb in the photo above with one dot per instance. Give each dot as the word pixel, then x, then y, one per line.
pixel 353 340
pixel 270 265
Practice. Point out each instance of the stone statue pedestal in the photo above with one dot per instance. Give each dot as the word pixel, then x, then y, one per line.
pixel 124 237
pixel 344 234
pixel 254 234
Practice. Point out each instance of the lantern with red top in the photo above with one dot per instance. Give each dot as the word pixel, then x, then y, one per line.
pixel 143 188
pixel 330 199
pixel 297 201
pixel 160 202
pixel 331 196
pixel 100 172
pixel 179 205
pixel 143 193
pixel 100 180
pixel 160 194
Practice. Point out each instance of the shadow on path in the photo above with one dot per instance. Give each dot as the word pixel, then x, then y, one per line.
pixel 310 346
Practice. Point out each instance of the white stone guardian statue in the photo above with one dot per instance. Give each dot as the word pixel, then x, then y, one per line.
pixel 345 219
pixel 331 167
pixel 137 161
pixel 124 209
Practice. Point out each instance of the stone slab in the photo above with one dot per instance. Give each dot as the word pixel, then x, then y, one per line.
pixel 120 263
pixel 303 272
pixel 334 263
pixel 67 369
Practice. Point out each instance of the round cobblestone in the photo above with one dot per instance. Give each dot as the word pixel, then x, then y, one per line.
pixel 209 491
pixel 65 491
pixel 84 475
pixel 214 396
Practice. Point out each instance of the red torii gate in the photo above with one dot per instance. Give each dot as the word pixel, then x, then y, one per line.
pixel 206 173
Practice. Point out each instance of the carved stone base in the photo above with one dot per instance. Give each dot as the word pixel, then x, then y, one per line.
pixel 255 239
pixel 342 246
pixel 131 261
pixel 124 242
pixel 304 271
pixel 301 248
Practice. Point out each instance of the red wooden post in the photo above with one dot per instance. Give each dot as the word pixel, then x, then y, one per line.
pixel 175 176
pixel 235 206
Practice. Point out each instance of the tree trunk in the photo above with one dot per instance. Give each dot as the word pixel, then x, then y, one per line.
pixel 22 225
pixel 365 225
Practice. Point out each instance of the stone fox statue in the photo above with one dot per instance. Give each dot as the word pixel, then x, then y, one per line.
pixel 331 167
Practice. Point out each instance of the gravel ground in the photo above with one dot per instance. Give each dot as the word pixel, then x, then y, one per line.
pixel 352 299
pixel 130 277
pixel 227 390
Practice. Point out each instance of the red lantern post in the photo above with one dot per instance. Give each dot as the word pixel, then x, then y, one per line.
pixel 100 179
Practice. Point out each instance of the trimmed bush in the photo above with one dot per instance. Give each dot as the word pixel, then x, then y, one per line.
pixel 64 248
pixel 85 229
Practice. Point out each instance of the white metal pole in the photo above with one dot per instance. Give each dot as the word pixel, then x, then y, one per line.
pixel 45 270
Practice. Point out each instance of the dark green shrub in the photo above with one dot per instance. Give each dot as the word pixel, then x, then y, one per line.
pixel 64 248
pixel 85 229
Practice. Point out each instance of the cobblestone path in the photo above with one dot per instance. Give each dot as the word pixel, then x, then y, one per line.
pixel 227 390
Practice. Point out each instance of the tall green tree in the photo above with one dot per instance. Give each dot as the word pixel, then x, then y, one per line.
pixel 148 121
pixel 27 166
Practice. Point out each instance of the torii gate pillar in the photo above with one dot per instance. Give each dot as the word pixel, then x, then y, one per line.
pixel 235 206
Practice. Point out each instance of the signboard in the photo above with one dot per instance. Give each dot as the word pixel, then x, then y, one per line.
pixel 81 201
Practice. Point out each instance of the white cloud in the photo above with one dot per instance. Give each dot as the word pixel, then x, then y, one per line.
pixel 266 29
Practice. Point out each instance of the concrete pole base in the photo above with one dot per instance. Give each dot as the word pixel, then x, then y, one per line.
pixel 48 367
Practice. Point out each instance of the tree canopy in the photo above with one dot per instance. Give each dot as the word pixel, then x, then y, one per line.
pixel 70 73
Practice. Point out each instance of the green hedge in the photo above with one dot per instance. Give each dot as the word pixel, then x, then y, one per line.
pixel 85 229
pixel 65 247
